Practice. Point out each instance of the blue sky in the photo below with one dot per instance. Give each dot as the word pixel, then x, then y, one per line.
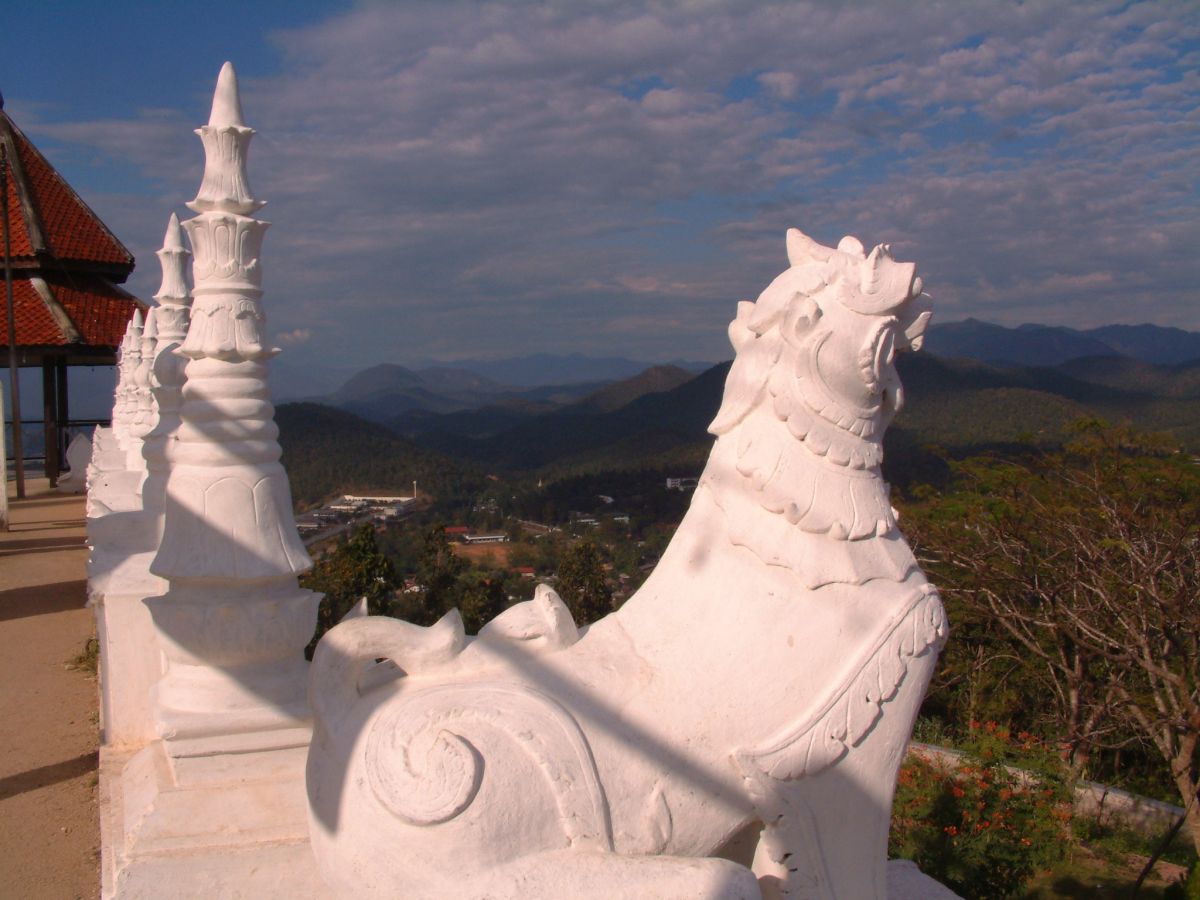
pixel 451 180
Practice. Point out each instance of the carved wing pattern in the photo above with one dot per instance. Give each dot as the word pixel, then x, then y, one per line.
pixel 847 714
pixel 821 739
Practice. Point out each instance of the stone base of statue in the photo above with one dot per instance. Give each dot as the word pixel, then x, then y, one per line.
pixel 119 581
pixel 132 663
pixel 218 818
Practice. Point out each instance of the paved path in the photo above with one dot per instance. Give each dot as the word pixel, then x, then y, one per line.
pixel 49 831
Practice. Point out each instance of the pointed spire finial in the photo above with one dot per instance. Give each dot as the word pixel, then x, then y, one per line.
pixel 226 139
pixel 173 239
pixel 138 319
pixel 227 104
pixel 172 258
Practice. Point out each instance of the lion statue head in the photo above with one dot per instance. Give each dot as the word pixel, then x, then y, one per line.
pixel 811 391
pixel 842 314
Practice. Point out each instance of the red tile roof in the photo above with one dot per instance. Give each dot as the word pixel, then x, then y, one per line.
pixel 100 310
pixel 18 235
pixel 46 215
pixel 96 310
pixel 35 325
pixel 65 261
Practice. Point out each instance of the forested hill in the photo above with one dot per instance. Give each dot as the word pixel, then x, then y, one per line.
pixel 652 423
pixel 327 450
pixel 958 405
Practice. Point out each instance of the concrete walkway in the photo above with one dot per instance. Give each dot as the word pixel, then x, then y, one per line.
pixel 49 831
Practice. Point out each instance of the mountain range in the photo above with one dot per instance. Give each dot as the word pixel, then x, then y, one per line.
pixel 550 368
pixel 954 407
pixel 1023 385
pixel 521 387
pixel 1050 345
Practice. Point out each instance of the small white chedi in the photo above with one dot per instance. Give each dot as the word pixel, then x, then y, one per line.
pixel 735 729
pixel 79 457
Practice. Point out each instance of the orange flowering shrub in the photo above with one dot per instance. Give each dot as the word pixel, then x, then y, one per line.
pixel 985 824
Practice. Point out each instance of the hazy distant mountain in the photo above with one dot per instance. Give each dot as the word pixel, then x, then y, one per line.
pixel 1026 345
pixel 473 423
pixel 651 423
pixel 549 368
pixel 385 391
pixel 963 403
pixel 1046 345
pixel 960 405
pixel 459 381
pixel 1150 343
pixel 654 380
pixel 957 404
pixel 409 400
pixel 510 410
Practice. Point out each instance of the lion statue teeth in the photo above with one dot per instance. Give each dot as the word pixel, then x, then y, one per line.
pixel 735 729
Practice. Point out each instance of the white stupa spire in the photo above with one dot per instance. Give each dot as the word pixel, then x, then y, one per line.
pixel 234 622
pixel 131 356
pixel 142 410
pixel 227 103
pixel 173 259
pixel 171 318
pixel 226 142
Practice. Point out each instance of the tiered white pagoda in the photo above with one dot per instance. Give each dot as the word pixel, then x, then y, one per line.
pixel 234 622
pixel 206 717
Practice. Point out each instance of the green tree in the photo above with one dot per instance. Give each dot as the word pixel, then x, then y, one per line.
pixel 481 597
pixel 439 569
pixel 1083 567
pixel 354 569
pixel 582 583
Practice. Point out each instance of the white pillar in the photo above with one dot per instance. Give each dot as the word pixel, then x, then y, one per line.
pixel 143 410
pixel 126 400
pixel 171 318
pixel 234 622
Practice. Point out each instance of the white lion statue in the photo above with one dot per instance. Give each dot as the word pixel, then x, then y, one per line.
pixel 735 729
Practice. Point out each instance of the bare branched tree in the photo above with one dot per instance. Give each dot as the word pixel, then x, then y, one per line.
pixel 1086 562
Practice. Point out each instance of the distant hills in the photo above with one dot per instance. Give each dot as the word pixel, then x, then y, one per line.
pixel 571 368
pixel 584 434
pixel 451 427
pixel 488 396
pixel 1048 345
pixel 387 393
pixel 960 404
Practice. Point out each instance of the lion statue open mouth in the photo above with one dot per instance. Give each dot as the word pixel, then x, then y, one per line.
pixel 735 729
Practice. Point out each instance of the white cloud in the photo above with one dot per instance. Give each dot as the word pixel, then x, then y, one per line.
pixel 294 337
pixel 459 178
